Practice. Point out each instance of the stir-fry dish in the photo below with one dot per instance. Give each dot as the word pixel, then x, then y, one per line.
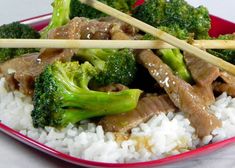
pixel 117 105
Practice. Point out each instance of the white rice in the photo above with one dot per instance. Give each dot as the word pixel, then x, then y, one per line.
pixel 161 136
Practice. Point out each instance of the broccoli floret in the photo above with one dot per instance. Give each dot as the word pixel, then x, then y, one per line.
pixel 16 30
pixel 64 10
pixel 175 60
pixel 62 96
pixel 179 19
pixel 82 10
pixel 227 55
pixel 195 20
pixel 173 30
pixel 175 12
pixel 114 66
pixel 151 12
pixel 178 32
pixel 77 9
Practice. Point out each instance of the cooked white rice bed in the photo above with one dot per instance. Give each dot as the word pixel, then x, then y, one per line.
pixel 161 136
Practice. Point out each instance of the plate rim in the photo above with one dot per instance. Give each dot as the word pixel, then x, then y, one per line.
pixel 82 162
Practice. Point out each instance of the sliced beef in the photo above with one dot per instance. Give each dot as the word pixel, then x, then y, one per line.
pixel 118 26
pixel 181 93
pixel 102 29
pixel 206 93
pixel 226 85
pixel 20 73
pixel 202 72
pixel 82 28
pixel 220 87
pixel 118 35
pixel 147 107
pixel 227 78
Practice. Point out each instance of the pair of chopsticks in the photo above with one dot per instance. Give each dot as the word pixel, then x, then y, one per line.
pixel 135 44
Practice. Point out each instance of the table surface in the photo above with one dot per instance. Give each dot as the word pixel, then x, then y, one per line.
pixel 14 154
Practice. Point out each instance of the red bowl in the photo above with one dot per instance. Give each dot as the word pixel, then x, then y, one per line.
pixel 219 26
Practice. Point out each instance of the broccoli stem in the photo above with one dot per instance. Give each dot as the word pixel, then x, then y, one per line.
pixel 72 116
pixel 110 103
pixel 175 60
pixel 80 106
pixel 60 16
pixel 94 56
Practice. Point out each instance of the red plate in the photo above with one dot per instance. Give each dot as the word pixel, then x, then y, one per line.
pixel 219 26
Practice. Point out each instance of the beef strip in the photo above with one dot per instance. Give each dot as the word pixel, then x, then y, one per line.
pixel 227 85
pixel 203 74
pixel 18 72
pixel 25 69
pixel 118 26
pixel 181 93
pixel 104 29
pixel 82 28
pixel 205 93
pixel 147 107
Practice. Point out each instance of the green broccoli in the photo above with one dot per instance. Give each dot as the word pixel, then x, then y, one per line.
pixel 177 13
pixel 179 19
pixel 77 9
pixel 194 20
pixel 16 30
pixel 227 55
pixel 62 96
pixel 114 66
pixel 60 16
pixel 175 60
pixel 64 10
pixel 178 32
pixel 82 10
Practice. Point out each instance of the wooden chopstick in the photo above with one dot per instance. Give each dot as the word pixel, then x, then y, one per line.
pixel 161 35
pixel 135 44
